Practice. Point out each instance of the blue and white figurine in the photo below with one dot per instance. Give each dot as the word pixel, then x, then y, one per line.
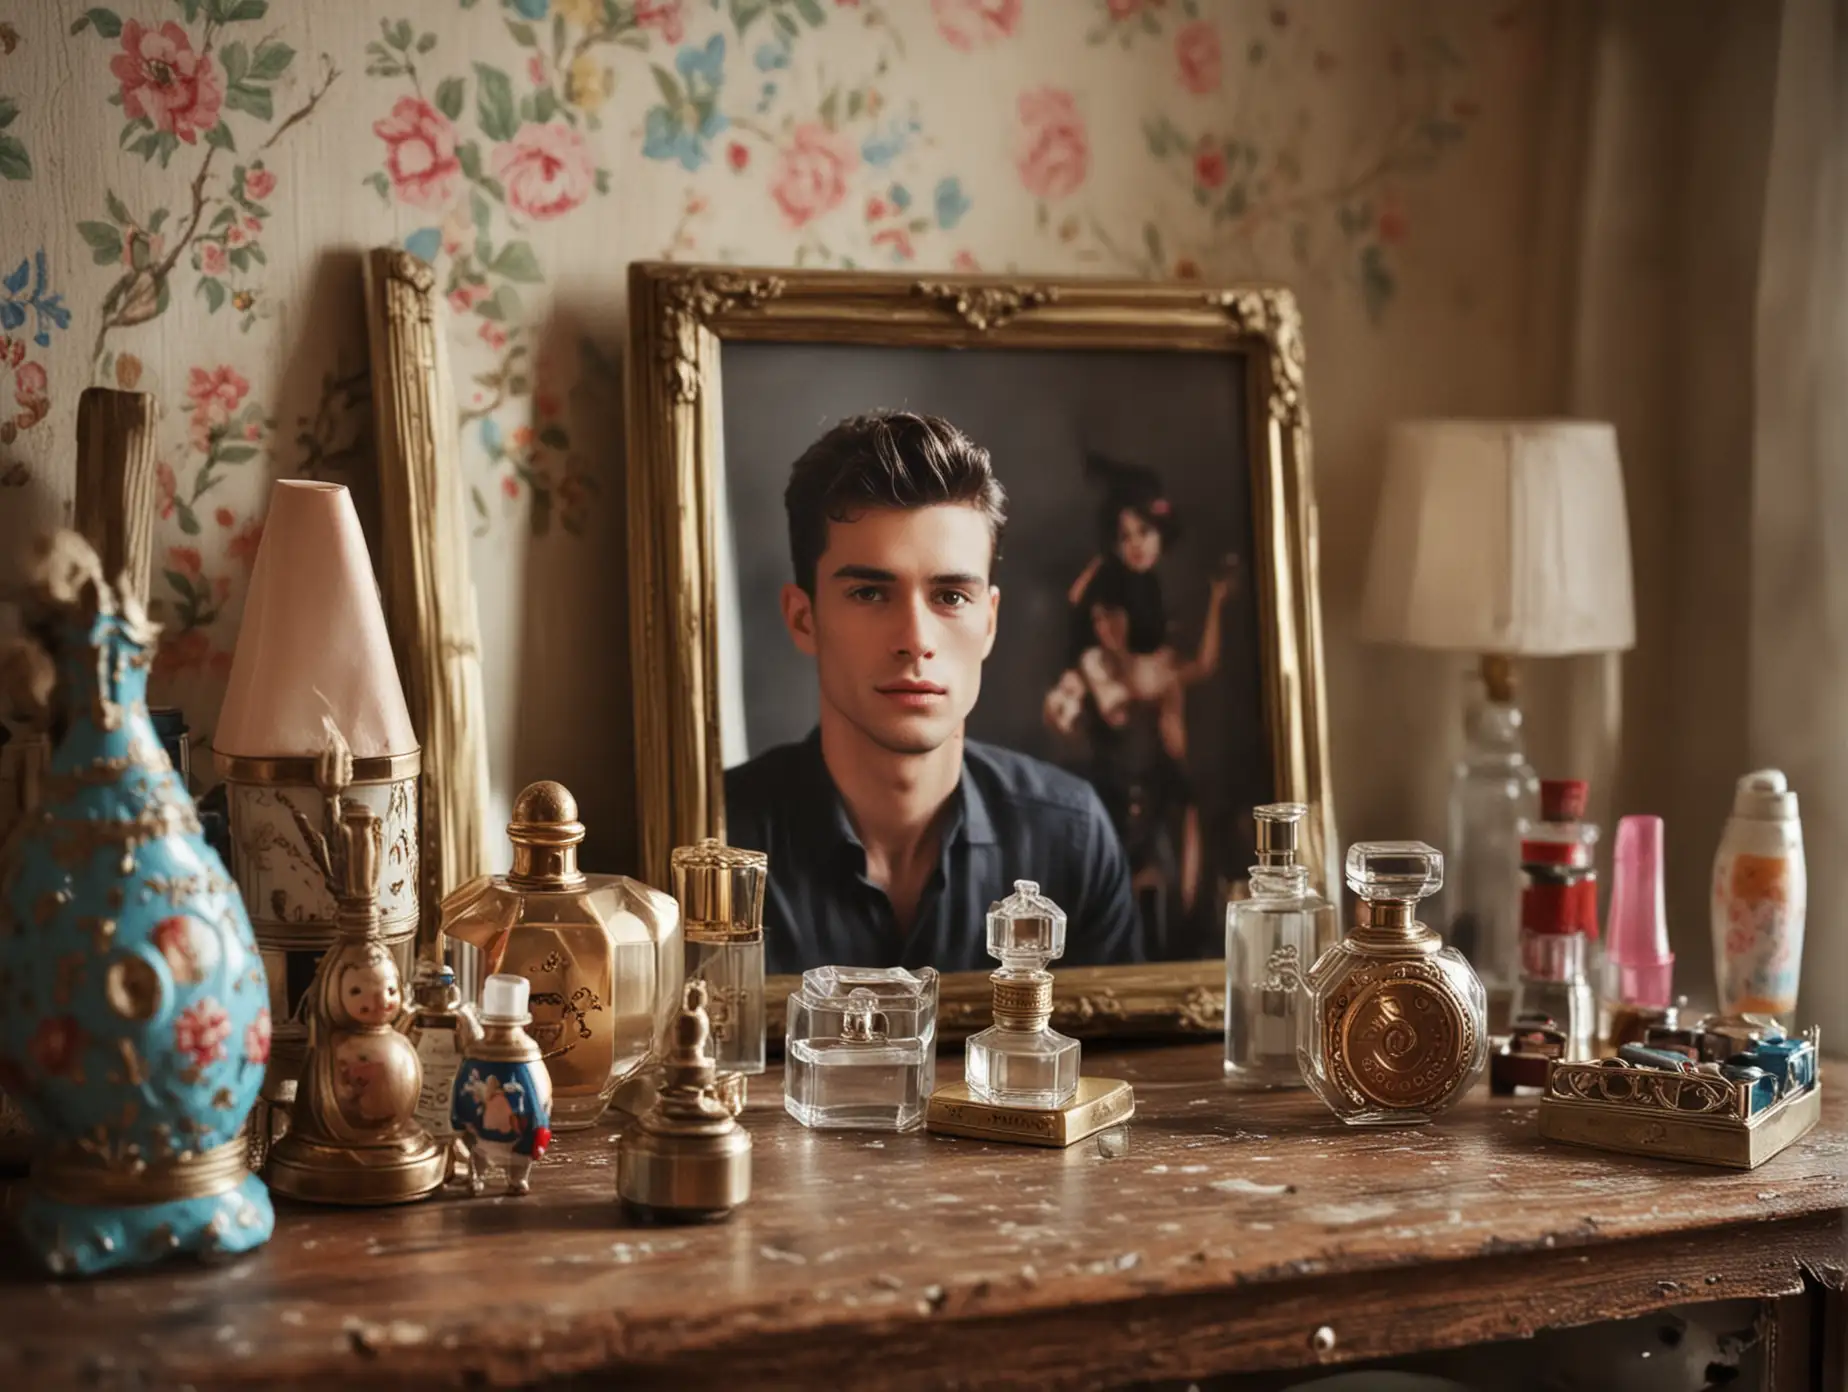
pixel 502 1103
pixel 136 1023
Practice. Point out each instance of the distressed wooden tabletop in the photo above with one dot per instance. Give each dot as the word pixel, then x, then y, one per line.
pixel 1237 1232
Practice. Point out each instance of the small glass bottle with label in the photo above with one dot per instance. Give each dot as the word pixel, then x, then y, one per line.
pixel 1271 938
pixel 1396 1031
pixel 721 894
pixel 439 1030
pixel 861 1047
pixel 1020 1060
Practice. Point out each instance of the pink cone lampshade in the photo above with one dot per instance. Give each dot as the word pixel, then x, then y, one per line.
pixel 1639 967
pixel 313 641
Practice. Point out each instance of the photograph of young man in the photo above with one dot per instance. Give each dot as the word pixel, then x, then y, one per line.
pixel 889 832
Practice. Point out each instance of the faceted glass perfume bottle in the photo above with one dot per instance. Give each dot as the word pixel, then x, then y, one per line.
pixel 1494 792
pixel 1395 1030
pixel 1020 1061
pixel 861 1046
pixel 602 953
pixel 721 894
pixel 1283 925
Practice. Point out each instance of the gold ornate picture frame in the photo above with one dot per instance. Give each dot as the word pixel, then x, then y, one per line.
pixel 681 319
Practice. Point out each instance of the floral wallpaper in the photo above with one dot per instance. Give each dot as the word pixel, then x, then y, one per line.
pixel 184 186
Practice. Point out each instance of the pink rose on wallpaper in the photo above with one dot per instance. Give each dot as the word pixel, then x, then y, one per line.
pixel 1051 150
pixel 1196 48
pixel 164 81
pixel 547 169
pixel 664 17
pixel 188 561
pixel 967 25
pixel 166 488
pixel 201 1031
pixel 244 543
pixel 214 394
pixel 420 152
pixel 1209 164
pixel 811 175
pixel 259 183
pixel 30 383
pixel 493 335
pixel 212 258
pixel 465 297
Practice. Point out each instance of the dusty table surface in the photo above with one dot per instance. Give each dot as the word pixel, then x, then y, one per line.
pixel 1237 1232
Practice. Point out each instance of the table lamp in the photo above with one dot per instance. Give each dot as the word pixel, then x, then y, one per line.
pixel 1502 538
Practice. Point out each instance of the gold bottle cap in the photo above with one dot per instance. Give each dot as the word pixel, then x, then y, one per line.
pixel 1022 1000
pixel 545 832
pixel 721 891
pixel 686 1159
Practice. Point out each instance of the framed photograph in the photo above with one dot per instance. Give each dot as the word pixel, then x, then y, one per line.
pixel 1159 633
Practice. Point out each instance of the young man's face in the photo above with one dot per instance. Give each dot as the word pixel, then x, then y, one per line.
pixel 901 619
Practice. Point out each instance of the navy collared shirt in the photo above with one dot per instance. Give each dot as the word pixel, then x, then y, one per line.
pixel 1012 817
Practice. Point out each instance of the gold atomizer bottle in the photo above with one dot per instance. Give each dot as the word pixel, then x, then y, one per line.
pixel 721 893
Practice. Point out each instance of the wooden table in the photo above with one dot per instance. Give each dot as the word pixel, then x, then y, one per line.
pixel 1237 1233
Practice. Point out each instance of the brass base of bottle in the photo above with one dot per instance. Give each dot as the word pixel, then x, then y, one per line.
pixel 667 1178
pixel 1099 1104
pixel 359 1176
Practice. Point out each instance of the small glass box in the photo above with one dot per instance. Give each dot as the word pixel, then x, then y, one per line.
pixel 861 1046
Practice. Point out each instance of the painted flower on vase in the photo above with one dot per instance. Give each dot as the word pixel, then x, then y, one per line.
pixel 257 1039
pixel 1196 50
pixel 56 1043
pixel 420 153
pixel 164 81
pixel 967 25
pixel 547 170
pixel 1051 151
pixel 201 1031
pixel 811 173
pixel 186 952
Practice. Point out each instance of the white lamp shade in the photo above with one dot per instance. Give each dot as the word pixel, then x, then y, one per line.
pixel 1504 537
pixel 312 641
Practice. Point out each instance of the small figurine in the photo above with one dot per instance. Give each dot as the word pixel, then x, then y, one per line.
pixel 502 1103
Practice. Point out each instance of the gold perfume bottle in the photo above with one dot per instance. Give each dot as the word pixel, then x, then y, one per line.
pixel 1395 1021
pixel 602 953
pixel 721 894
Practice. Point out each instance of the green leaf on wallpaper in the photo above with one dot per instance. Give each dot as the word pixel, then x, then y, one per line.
pixel 108 23
pixel 1155 137
pixel 190 8
pixel 117 208
pixel 522 34
pixel 478 209
pixel 812 12
pixel 449 95
pixel 670 87
pixel 220 136
pixel 228 215
pixel 1376 282
pixel 468 155
pixel 1151 238
pixel 182 585
pixel 490 309
pixel 155 220
pixel 9 112
pixel 426 42
pixel 399 35
pixel 378 180
pixel 258 255
pixel 189 522
pixel 603 181
pixel 235 11
pixel 786 26
pixel 239 257
pixel 474 490
pixel 484 250
pixel 255 100
pixel 214 292
pixel 831 108
pixel 517 262
pixel 545 105
pixel 104 239
pixel 236 59
pixel 236 454
pixel 509 301
pixel 494 103
pixel 745 12
pixel 15 163
pixel 493 186
pixel 271 60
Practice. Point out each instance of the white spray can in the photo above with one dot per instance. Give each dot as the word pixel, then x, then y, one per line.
pixel 1759 894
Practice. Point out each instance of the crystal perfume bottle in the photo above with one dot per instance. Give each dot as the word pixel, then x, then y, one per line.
pixel 861 1045
pixel 721 894
pixel 1493 794
pixel 602 954
pixel 1396 1025
pixel 1020 1060
pixel 1284 924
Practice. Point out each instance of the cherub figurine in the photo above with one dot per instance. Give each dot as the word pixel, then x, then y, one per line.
pixel 502 1102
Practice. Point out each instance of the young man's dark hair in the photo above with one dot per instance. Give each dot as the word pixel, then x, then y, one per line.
pixel 886 459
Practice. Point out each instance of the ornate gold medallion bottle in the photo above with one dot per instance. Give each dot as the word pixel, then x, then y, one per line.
pixel 602 954
pixel 721 894
pixel 1395 1021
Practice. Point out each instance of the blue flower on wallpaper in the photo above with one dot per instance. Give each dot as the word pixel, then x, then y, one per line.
pixel 424 243
pixel 531 9
pixel 48 310
pixel 951 202
pixel 883 146
pixel 688 116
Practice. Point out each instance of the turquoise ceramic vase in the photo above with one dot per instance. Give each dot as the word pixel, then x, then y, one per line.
pixel 134 1018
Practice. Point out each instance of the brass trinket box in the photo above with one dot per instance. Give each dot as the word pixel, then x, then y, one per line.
pixel 1692 1114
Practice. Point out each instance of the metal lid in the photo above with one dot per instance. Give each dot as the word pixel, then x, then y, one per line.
pixel 1279 831
pixel 545 832
pixel 721 891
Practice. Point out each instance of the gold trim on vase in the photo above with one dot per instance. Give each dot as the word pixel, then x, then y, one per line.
pixel 299 770
pixel 64 1178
